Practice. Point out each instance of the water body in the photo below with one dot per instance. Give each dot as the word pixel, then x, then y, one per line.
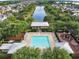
pixel 39 14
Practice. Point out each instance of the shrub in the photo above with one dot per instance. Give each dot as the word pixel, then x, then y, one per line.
pixel 27 53
pixel 35 53
pixel 56 53
pixel 3 56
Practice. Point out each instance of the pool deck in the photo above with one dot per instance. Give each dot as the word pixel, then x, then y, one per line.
pixel 28 37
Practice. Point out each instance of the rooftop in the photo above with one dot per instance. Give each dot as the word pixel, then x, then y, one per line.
pixel 39 24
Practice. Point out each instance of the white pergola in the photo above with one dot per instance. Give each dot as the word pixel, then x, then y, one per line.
pixel 38 25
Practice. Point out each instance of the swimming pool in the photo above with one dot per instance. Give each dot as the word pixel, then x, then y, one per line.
pixel 40 42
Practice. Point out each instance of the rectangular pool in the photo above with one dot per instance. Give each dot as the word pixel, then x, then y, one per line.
pixel 40 42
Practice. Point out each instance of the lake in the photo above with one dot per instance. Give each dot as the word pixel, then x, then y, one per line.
pixel 39 14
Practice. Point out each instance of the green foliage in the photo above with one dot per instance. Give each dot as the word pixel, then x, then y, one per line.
pixel 60 54
pixel 3 56
pixel 47 54
pixel 27 53
pixel 35 53
pixel 52 10
pixel 26 12
pixel 56 53
pixel 12 26
pixel 74 25
pixel 7 2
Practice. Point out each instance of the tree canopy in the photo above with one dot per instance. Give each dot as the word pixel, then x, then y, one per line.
pixel 36 53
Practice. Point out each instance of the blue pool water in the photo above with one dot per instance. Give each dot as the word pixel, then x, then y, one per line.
pixel 39 14
pixel 40 42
